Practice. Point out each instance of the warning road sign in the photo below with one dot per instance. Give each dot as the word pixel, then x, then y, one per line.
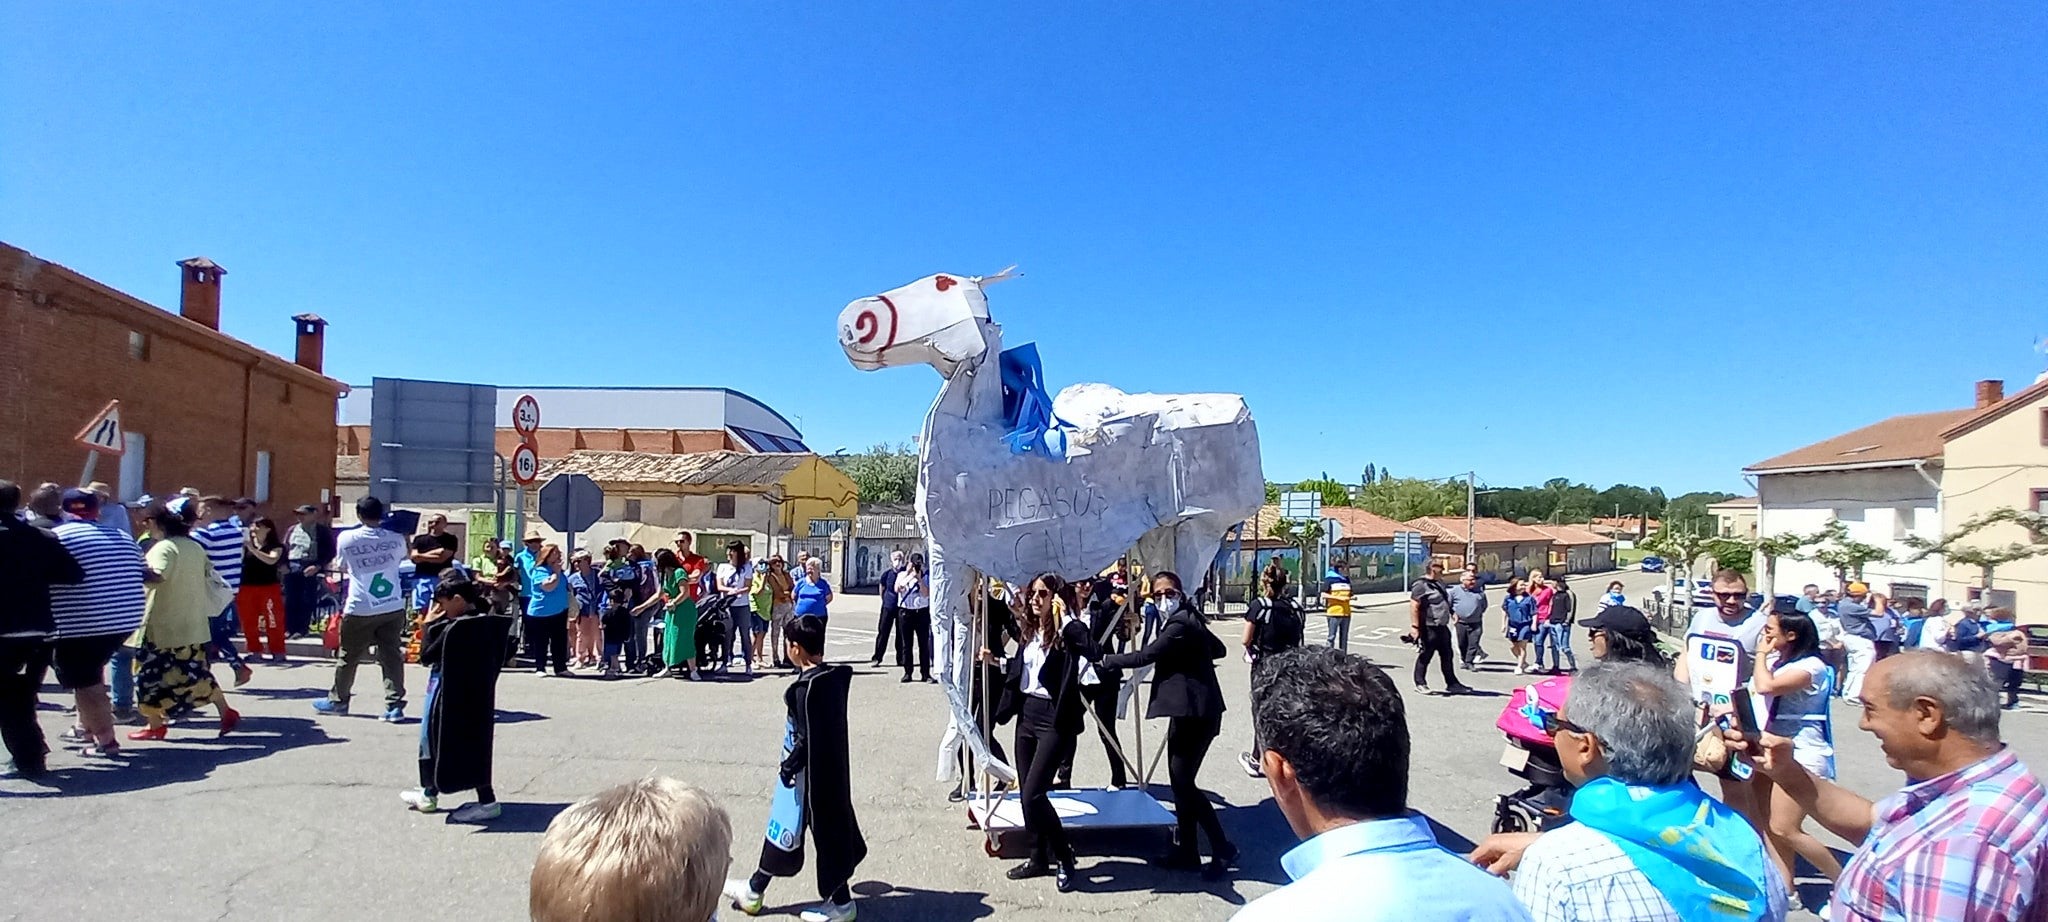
pixel 103 434
pixel 526 415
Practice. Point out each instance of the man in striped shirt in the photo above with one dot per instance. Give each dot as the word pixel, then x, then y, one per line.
pixel 1966 840
pixel 224 539
pixel 94 617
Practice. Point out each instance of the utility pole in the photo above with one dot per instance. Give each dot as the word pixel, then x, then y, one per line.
pixel 1471 514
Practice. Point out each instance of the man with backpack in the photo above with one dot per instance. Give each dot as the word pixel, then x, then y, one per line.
pixel 1430 615
pixel 1273 625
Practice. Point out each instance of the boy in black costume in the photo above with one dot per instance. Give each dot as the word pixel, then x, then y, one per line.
pixel 814 789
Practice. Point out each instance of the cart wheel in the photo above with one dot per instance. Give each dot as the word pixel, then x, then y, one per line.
pixel 988 845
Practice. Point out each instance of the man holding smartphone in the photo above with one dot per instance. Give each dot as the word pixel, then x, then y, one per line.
pixel 1720 651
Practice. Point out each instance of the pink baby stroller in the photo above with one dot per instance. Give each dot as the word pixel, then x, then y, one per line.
pixel 1545 802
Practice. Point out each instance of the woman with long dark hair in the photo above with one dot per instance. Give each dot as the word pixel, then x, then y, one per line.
pixel 260 600
pixel 1043 690
pixel 1791 674
pixel 1186 693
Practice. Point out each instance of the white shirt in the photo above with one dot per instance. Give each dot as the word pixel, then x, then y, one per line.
pixel 1934 633
pixel 370 556
pixel 910 591
pixel 1034 662
pixel 1576 874
pixel 1719 655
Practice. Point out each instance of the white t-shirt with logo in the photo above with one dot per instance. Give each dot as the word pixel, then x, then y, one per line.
pixel 1719 656
pixel 370 557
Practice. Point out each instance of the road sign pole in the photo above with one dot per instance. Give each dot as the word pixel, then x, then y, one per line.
pixel 519 511
pixel 92 462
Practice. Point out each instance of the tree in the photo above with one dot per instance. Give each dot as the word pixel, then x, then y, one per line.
pixel 1740 555
pixel 1832 547
pixel 1679 548
pixel 1305 535
pixel 1689 512
pixel 1987 560
pixel 1334 493
pixel 1403 499
pixel 883 474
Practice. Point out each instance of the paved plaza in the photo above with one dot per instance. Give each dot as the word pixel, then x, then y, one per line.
pixel 297 817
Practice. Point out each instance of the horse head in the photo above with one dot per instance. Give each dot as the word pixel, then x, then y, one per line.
pixel 936 321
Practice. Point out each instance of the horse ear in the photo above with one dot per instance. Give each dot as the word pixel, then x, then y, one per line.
pixel 935 320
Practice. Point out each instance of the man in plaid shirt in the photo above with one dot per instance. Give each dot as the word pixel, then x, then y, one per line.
pixel 1966 841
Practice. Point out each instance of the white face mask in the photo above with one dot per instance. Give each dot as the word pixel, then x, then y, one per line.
pixel 1169 605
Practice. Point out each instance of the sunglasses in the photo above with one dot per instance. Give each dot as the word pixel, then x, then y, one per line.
pixel 1731 596
pixel 1551 724
pixel 1041 593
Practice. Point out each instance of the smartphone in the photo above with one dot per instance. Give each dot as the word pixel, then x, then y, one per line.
pixel 1745 718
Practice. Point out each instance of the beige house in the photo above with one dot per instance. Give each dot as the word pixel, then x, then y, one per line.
pixel 1997 457
pixel 1735 518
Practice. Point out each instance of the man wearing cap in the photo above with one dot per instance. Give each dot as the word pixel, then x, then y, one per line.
pixel 1859 635
pixel 31 561
pixel 303 563
pixel 373 614
pixel 95 616
pixel 1966 634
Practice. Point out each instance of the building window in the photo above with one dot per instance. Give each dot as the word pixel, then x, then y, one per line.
pixel 632 510
pixel 2040 505
pixel 725 507
pixel 262 477
pixel 1902 521
pixel 287 396
pixel 134 465
pixel 2044 425
pixel 138 346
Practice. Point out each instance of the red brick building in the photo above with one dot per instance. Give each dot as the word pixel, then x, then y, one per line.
pixel 199 408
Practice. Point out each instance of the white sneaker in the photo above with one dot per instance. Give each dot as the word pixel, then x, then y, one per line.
pixel 478 813
pixel 741 893
pixel 1250 765
pixel 829 912
pixel 418 800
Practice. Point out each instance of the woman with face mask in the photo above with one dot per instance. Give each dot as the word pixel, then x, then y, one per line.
pixel 1186 693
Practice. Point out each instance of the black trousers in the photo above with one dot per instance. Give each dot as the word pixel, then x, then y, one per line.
pixel 23 663
pixel 914 627
pixel 545 634
pixel 890 615
pixel 1435 640
pixel 1102 700
pixel 980 702
pixel 301 596
pixel 1041 747
pixel 1469 634
pixel 2009 678
pixel 1187 744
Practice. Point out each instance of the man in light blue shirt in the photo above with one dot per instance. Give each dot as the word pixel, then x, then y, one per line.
pixel 1342 783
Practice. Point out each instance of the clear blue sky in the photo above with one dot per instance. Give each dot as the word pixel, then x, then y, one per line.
pixel 1635 242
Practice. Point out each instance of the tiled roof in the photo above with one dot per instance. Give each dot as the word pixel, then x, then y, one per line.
pixel 1484 531
pixel 1359 525
pixel 1977 418
pixel 1571 535
pixel 1740 502
pixel 709 468
pixel 1895 442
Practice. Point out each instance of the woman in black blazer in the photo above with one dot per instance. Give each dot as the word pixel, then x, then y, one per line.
pixel 1186 693
pixel 1043 690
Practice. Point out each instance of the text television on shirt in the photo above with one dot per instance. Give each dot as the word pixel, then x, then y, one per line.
pixel 433 442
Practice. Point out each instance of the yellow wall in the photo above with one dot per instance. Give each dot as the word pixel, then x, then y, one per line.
pixel 817 490
pixel 2000 464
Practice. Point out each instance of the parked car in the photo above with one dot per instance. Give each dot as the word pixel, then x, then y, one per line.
pixel 1653 564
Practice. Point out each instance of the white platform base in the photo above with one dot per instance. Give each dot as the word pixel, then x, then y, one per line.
pixel 1085 814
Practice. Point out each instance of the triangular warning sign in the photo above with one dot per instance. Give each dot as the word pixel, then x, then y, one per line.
pixel 103 434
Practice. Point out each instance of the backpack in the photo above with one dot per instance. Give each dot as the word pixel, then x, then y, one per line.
pixel 1280 627
pixel 1914 629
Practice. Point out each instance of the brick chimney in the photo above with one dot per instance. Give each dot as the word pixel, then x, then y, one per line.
pixel 199 296
pixel 312 341
pixel 1989 392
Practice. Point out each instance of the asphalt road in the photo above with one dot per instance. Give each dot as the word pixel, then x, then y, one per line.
pixel 297 817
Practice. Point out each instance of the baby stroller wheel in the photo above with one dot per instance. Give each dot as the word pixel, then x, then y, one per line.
pixel 1510 815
